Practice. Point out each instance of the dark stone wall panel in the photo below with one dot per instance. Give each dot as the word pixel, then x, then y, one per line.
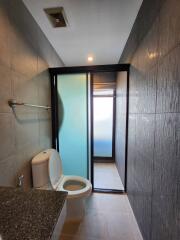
pixel 147 13
pixel 131 150
pixel 144 151
pixel 153 177
pixel 168 83
pixel 141 204
pixel 169 35
pixel 167 154
pixel 120 133
pixel 143 90
pixel 164 218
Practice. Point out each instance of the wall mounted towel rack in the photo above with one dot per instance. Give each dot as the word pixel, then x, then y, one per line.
pixel 12 103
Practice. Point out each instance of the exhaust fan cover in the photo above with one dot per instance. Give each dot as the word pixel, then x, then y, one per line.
pixel 56 16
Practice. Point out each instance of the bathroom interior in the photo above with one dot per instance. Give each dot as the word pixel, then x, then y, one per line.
pixel 89 119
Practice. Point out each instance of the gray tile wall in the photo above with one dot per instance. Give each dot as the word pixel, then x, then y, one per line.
pixel 120 123
pixel 154 120
pixel 25 56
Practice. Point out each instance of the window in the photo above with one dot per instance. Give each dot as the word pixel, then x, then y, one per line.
pixel 103 126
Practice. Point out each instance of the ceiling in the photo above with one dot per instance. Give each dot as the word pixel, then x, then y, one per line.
pixel 99 28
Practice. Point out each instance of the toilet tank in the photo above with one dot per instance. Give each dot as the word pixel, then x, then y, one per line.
pixel 40 169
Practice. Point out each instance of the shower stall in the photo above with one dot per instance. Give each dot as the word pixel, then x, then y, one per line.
pixel 83 120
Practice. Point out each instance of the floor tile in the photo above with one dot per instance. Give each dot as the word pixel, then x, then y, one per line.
pixel 106 176
pixel 108 203
pixel 107 217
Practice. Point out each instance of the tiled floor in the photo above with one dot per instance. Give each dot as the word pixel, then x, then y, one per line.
pixel 107 217
pixel 106 176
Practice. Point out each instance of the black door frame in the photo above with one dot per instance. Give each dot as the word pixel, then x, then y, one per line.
pixel 54 103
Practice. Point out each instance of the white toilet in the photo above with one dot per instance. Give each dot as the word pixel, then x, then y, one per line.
pixel 48 175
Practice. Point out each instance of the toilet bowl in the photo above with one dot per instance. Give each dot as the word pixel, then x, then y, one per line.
pixel 48 175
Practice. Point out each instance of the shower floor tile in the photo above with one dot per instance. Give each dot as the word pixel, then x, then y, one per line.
pixel 106 176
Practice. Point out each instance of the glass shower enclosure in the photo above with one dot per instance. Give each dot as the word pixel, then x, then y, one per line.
pixel 79 121
pixel 72 95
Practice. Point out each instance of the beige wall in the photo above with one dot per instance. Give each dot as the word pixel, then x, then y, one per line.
pixel 25 55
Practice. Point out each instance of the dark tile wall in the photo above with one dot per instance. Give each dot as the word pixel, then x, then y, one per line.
pixel 154 119
pixel 25 56
pixel 120 126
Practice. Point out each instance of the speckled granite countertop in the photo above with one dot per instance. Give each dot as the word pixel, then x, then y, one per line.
pixel 29 214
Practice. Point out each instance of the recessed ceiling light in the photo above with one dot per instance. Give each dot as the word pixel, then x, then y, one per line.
pixel 90 59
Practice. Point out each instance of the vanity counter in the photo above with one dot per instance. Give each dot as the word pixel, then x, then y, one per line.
pixel 32 214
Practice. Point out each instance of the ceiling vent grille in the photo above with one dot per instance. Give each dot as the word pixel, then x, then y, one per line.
pixel 56 16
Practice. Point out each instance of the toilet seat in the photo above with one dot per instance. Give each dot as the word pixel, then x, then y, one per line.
pixel 58 180
pixel 85 191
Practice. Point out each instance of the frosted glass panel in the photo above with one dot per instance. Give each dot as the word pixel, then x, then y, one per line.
pixel 103 124
pixel 72 105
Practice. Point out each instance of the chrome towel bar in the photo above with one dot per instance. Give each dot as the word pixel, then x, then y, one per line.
pixel 13 103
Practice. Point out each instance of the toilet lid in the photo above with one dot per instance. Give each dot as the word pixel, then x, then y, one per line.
pixel 55 168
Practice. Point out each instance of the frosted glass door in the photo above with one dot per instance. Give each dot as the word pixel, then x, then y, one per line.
pixel 72 112
pixel 103 126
